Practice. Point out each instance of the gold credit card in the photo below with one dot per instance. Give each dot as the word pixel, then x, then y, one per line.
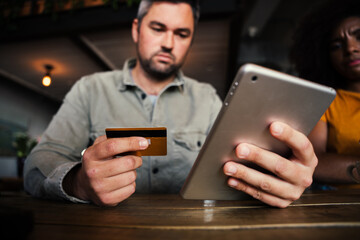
pixel 155 136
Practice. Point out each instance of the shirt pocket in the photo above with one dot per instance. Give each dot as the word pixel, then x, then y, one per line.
pixel 189 140
pixel 185 147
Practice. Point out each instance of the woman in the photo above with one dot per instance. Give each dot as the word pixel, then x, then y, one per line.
pixel 327 50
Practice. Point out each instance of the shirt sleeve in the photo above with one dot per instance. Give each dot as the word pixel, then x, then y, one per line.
pixel 51 187
pixel 60 148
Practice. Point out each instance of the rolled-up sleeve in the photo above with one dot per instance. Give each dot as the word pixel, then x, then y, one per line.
pixel 59 149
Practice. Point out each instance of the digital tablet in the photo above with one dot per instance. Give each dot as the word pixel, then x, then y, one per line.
pixel 257 97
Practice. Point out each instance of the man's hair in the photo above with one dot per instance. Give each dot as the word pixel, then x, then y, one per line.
pixel 145 6
pixel 311 46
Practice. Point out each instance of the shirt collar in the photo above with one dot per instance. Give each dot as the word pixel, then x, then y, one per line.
pixel 127 80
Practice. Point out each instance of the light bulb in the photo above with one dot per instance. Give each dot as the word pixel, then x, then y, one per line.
pixel 46 81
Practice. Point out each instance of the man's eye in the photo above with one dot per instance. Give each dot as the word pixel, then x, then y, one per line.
pixel 157 29
pixel 183 34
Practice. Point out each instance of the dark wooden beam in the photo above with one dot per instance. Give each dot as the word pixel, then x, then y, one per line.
pixel 92 19
pixel 93 52
pixel 66 23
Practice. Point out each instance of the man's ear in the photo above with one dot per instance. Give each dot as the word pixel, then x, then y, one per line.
pixel 134 30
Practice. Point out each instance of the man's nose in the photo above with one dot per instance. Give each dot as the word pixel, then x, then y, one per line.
pixel 168 40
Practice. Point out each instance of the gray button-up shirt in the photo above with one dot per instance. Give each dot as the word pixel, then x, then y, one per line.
pixel 187 109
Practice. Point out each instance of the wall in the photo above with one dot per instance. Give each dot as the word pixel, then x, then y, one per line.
pixel 20 110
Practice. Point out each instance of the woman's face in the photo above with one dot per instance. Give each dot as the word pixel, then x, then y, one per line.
pixel 345 49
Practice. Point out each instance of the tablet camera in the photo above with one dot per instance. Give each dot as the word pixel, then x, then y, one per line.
pixel 254 78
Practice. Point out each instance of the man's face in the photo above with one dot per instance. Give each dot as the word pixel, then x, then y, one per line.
pixel 345 49
pixel 164 38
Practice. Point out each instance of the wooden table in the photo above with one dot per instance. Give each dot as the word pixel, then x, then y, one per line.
pixel 317 215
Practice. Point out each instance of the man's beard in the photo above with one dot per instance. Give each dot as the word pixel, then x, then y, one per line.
pixel 158 74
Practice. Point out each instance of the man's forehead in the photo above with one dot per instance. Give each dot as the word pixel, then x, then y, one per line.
pixel 171 14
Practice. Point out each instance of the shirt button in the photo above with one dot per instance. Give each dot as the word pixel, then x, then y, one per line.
pixel 155 170
pixel 143 96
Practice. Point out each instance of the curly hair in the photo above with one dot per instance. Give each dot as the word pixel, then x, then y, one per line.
pixel 311 41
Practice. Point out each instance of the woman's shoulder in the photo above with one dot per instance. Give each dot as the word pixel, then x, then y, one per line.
pixel 345 95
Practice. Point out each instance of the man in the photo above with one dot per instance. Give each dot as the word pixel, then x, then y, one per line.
pixel 151 91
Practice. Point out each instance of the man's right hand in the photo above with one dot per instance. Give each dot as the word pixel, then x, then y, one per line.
pixel 103 179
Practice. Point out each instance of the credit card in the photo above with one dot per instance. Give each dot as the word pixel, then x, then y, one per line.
pixel 155 136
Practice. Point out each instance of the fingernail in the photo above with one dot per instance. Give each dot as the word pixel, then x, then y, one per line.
pixel 233 182
pixel 143 144
pixel 277 129
pixel 243 152
pixel 231 170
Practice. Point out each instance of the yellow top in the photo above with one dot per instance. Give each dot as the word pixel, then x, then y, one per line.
pixel 343 120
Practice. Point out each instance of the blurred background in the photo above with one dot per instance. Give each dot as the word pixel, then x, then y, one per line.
pixel 68 39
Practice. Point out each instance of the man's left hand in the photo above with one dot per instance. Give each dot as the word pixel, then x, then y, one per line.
pixel 292 176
